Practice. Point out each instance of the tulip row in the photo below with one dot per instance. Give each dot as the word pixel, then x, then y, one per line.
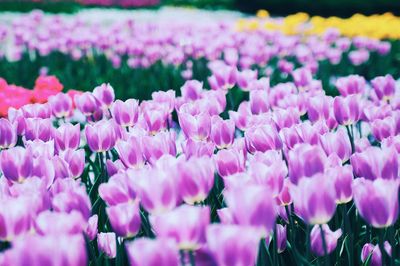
pixel 143 50
pixel 289 176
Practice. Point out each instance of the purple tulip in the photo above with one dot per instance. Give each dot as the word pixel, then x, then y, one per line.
pixel 222 132
pixel 377 201
pixel 91 229
pixel 233 244
pixel 314 199
pixel 101 136
pixel 285 118
pixel 107 243
pixel 75 161
pixel 16 219
pixel 196 179
pixel 262 138
pixel 38 128
pixel 384 87
pixel 125 218
pixel 353 84
pixel 337 143
pixel 259 101
pixel 117 190
pixel 347 110
pixel 126 113
pixel 343 180
pixel 8 134
pixel 74 199
pixel 156 146
pixel 185 224
pixel 306 160
pixel 191 90
pixel 229 162
pixel 302 77
pixel 383 128
pixel 246 78
pixel 252 205
pixel 114 167
pixel 87 103
pixel 36 110
pixel 193 148
pixel 155 117
pixel 331 238
pixel 166 98
pixel 59 223
pixel 281 237
pixel 104 94
pixel 61 105
pixel 196 127
pixel 153 252
pixel 39 250
pixel 130 152
pixel 67 136
pixel 374 253
pixel 16 163
pixel 241 116
pixel 373 163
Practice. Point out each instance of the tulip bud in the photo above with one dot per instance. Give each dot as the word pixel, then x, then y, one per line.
pixel 229 162
pixel 104 94
pixel 8 134
pixel 16 163
pixel 107 243
pixel 222 132
pixel 67 136
pixel 126 113
pixel 125 218
pixel 331 238
pixel 91 229
pixel 100 136
pixel 61 105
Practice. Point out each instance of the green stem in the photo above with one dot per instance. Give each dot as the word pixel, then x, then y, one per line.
pixel 192 259
pixel 351 139
pixel 275 245
pixel 382 246
pixel 327 262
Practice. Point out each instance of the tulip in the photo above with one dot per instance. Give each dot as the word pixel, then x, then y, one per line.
pixel 71 200
pixel 243 244
pixel 353 84
pixel 61 168
pixel 107 243
pixel 191 90
pixel 126 113
pixel 59 223
pixel 186 225
pixel 8 134
pixel 114 167
pixel 222 132
pixel 91 229
pixel 383 128
pixel 75 161
pixel 153 252
pixel 284 198
pixel 16 163
pixel 16 219
pixel 271 175
pixel 262 138
pixel 117 190
pixel 337 143
pixel 38 128
pixel 45 169
pixel 384 87
pixel 302 77
pixel 281 237
pixel 285 118
pixel 373 163
pixel 252 205
pixel 130 152
pixel 330 238
pixel 196 179
pixel 229 162
pixel 156 146
pixel 314 199
pixel 39 250
pixel 36 111
pixel 100 136
pixel 373 253
pixel 246 78
pixel 193 148
pixel 196 127
pixel 241 116
pixel 155 117
pixel 61 105
pixel 347 110
pixel 343 180
pixel 304 161
pixel 259 101
pixel 67 136
pixel 319 107
pixel 104 94
pixel 377 201
pixel 166 98
pixel 125 218
pixel 87 103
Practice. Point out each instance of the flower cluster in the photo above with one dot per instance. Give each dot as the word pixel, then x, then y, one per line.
pixel 202 179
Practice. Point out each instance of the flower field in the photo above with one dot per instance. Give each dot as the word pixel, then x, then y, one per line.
pixel 186 137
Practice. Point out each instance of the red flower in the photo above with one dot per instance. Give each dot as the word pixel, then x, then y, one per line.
pixel 50 83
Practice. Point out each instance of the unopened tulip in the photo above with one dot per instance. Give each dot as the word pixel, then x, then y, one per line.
pixel 343 180
pixel 259 101
pixel 104 94
pixel 75 160
pixel 16 219
pixel 281 237
pixel 166 98
pixel 384 87
pixel 125 218
pixel 91 229
pixel 75 199
pixel 262 138
pixel 156 146
pixel 337 143
pixel 193 148
pixel 186 225
pixel 222 132
pixel 243 244
pixel 61 105
pixel 196 127
pixel 347 110
pixel 130 152
pixel 383 128
pixel 353 84
pixel 192 90
pixel 229 162
pixel 36 111
pixel 38 128
pixel 126 113
pixel 246 78
pixel 330 238
pixel 87 103
pixel 16 163
pixel 270 175
pixel 377 201
pixel 100 136
pixel 107 243
pixel 314 199
pixel 153 252
pixel 117 190
pixel 155 117
pixel 374 253
pixel 59 223
pixel 67 136
pixel 8 134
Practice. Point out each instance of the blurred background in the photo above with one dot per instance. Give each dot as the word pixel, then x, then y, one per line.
pixel 340 8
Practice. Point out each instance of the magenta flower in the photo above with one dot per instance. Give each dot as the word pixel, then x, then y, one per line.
pixel 16 219
pixel 374 253
pixel 91 229
pixel 246 78
pixel 281 235
pixel 384 87
pixel 101 136
pixel 166 98
pixel 16 163
pixel 193 148
pixel 117 190
pixel 222 132
pixel 130 152
pixel 343 180
pixel 196 127
pixel 337 143
pixel 38 128
pixel 305 161
pixel 104 94
pixel 61 105
pixel 233 244
pixel 75 161
pixel 377 201
pixel 72 199
pixel 252 205
pixel 125 218
pixel 87 103
pixel 126 113
pixel 8 134
pixel 196 179
pixel 331 238
pixel 314 199
pixel 262 138
pixel 353 84
pixel 59 223
pixel 185 224
pixel 229 162
pixel 67 136
pixel 107 243
pixel 153 252
pixel 192 90
pixel 373 163
pixel 347 110
pixel 259 101
pixel 383 128
pixel 156 146
pixel 155 117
